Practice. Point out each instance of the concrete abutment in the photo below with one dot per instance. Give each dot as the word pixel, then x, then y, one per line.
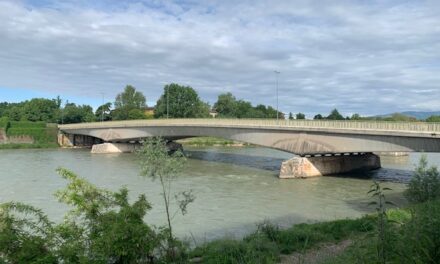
pixel 303 167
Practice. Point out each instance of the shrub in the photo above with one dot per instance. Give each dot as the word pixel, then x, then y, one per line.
pixel 420 238
pixel 425 183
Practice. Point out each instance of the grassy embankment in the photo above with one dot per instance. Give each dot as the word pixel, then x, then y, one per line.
pixel 211 142
pixel 410 236
pixel 43 135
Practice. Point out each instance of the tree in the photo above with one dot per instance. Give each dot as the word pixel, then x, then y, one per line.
pixel 158 163
pixel 425 183
pixel 290 116
pixel 181 102
pixel 318 117
pixel 103 112
pixel 300 116
pixel 226 105
pixel 335 115
pixel 355 117
pixel 73 113
pixel 126 101
pixel 433 118
pixel 130 99
pixel 136 114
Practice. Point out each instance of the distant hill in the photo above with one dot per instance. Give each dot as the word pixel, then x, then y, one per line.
pixel 415 114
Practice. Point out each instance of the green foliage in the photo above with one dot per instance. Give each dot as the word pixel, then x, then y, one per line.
pixel 318 117
pixel 425 183
pixel 181 102
pixel 102 227
pixel 73 113
pixel 419 238
pixel 130 99
pixel 335 115
pixel 126 102
pixel 158 163
pixel 25 235
pixel 39 131
pixel 228 106
pixel 136 114
pixel 290 116
pixel 4 123
pixel 300 116
pixel 433 118
pixel 103 112
pixel 258 250
pixel 414 237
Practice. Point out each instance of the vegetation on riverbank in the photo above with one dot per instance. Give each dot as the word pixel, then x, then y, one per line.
pixel 211 142
pixel 25 134
pixel 104 227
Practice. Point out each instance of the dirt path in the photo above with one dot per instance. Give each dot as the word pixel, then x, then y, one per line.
pixel 316 255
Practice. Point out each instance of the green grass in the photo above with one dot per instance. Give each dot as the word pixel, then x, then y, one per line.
pixel 28 146
pixel 269 241
pixel 208 141
pixel 44 135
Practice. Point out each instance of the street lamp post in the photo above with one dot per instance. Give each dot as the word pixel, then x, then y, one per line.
pixel 276 76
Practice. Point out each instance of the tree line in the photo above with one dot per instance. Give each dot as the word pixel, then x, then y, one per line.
pixel 176 101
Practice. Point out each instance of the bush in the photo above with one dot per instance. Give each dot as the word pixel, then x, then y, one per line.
pixel 4 123
pixel 425 183
pixel 37 130
pixel 419 240
pixel 103 227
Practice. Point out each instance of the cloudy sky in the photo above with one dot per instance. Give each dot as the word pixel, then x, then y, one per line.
pixel 367 57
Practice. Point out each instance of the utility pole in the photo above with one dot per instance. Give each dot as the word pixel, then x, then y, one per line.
pixel 276 76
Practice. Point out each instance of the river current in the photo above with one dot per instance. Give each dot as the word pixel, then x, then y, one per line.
pixel 235 188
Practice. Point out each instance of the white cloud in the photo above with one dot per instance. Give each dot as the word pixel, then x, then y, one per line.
pixel 367 58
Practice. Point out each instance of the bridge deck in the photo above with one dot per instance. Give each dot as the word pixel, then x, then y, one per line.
pixel 270 123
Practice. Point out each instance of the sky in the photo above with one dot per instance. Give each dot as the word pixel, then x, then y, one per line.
pixel 367 57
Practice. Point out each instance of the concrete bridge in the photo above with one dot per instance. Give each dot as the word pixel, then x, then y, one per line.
pixel 325 143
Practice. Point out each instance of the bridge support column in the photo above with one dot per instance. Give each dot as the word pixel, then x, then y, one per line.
pixel 303 167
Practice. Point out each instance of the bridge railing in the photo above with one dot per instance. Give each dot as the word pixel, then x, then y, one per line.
pixel 330 124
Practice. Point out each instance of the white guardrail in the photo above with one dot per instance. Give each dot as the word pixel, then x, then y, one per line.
pixel 329 124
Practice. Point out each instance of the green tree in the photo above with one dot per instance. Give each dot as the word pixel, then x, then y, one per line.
pixel 73 113
pixel 158 163
pixel 433 118
pixel 355 117
pixel 226 105
pixel 103 112
pixel 181 102
pixel 40 109
pixel 136 114
pixel 335 115
pixel 425 183
pixel 126 101
pixel 290 116
pixel 300 116
pixel 318 117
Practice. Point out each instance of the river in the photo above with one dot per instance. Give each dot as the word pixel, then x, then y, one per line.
pixel 235 188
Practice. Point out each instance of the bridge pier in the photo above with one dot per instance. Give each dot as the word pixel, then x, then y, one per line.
pixel 303 167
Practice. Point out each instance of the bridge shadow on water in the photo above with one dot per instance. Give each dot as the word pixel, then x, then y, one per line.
pixel 273 164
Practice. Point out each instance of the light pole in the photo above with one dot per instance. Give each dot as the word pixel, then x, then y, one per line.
pixel 276 77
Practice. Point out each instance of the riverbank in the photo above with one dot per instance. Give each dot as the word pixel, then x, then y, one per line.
pixel 409 234
pixel 27 135
pixel 211 142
